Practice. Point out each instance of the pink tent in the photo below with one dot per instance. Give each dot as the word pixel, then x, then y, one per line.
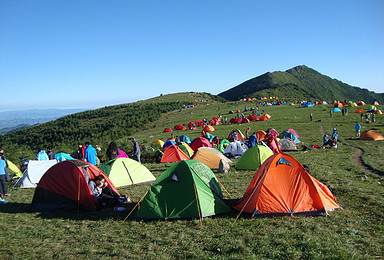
pixel 121 153
pixel 293 132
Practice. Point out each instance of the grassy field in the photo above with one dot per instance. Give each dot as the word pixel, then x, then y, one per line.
pixel 356 231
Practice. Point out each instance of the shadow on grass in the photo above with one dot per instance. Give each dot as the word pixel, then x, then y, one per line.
pixel 72 214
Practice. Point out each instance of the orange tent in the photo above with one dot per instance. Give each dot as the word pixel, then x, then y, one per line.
pixel 238 111
pixel 209 128
pixel 371 135
pixel 261 135
pixel 210 159
pixel 173 154
pixel 378 112
pixel 281 186
pixel 360 110
pixel 339 105
pixel 268 116
pixel 263 118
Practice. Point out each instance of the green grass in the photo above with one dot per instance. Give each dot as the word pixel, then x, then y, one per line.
pixel 356 231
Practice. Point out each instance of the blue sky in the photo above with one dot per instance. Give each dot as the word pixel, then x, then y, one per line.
pixel 70 54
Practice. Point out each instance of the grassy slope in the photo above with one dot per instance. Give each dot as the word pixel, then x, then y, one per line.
pixel 355 231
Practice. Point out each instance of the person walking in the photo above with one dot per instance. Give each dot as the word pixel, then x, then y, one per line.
pixel 357 128
pixel 90 154
pixel 3 184
pixel 135 149
pixel 50 153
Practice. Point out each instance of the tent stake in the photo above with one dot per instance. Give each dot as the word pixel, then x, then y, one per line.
pixel 137 204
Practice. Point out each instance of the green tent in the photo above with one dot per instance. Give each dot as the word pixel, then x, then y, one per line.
pixel 253 157
pixel 187 189
pixel 224 143
pixel 125 172
pixel 186 149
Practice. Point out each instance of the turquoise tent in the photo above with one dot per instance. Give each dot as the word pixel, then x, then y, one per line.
pixel 336 109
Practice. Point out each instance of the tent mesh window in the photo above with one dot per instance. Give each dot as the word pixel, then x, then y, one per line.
pixel 282 160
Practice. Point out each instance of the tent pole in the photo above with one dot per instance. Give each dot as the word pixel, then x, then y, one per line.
pixel 78 196
pixel 241 211
pixel 223 187
pixel 198 206
pixel 137 204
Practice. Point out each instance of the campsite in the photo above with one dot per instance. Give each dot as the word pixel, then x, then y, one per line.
pixel 354 172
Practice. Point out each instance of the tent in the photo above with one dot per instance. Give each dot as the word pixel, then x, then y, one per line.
pixel 200 142
pixel 186 149
pixel 336 110
pixel 378 112
pixel 121 154
pixel 239 135
pixel 209 128
pixel 210 159
pixel 263 118
pixel 287 145
pixel 65 186
pixel 290 130
pixel 273 132
pixel 361 103
pixel 253 118
pixel 184 138
pixel 236 148
pixel 217 152
pixel 376 103
pixel 360 110
pixel 14 170
pixel 187 189
pixel 173 154
pixel 124 172
pixel 157 144
pixel 223 144
pixel 63 156
pixel 371 135
pixel 253 157
pixel 167 130
pixel 261 135
pixel 292 137
pixel 281 186
pixel 179 127
pixel 168 143
pixel 32 175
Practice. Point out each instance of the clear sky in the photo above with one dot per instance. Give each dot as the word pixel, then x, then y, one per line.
pixel 78 53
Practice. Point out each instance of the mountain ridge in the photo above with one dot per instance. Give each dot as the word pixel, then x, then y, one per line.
pixel 299 83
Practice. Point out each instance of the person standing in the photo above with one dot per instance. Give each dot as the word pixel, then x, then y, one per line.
pixel 90 153
pixel 135 149
pixel 310 117
pixel 357 128
pixel 41 155
pixel 335 134
pixel 50 153
pixel 3 184
pixel 2 156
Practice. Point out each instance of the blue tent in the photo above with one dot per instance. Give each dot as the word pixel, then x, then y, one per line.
pixel 62 157
pixel 185 139
pixel 309 104
pixel 168 143
pixel 292 137
pixel 336 109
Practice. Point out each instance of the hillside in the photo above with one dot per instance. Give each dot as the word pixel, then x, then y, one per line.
pixel 11 129
pixel 300 83
pixel 99 126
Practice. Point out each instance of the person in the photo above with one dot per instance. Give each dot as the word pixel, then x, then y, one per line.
pixel 310 117
pixel 367 120
pixel 177 140
pixel 325 140
pixel 357 128
pixel 41 155
pixel 105 195
pixel 330 113
pixel 335 134
pixel 247 132
pixel 362 117
pixel 90 153
pixel 112 151
pixel 215 142
pixel 50 153
pixel 373 118
pixel 80 151
pixel 3 184
pixel 136 149
pixel 2 156
pixel 225 120
pixel 252 140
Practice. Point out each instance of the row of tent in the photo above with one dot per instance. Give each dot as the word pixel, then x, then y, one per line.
pixel 189 189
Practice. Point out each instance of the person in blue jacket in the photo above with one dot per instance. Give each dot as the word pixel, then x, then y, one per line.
pixel 335 134
pixel 357 128
pixel 90 153
pixel 3 184
pixel 41 155
pixel 252 140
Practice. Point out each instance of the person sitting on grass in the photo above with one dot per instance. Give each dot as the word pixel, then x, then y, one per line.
pixel 105 195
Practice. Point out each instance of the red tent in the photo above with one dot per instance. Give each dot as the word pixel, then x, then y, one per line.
pixel 167 130
pixel 281 186
pixel 191 125
pixel 253 118
pixel 208 128
pixel 261 135
pixel 214 121
pixel 244 120
pixel 263 118
pixel 200 142
pixel 65 186
pixel 179 127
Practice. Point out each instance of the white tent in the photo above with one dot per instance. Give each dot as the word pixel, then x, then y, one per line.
pixel 287 145
pixel 236 148
pixel 32 175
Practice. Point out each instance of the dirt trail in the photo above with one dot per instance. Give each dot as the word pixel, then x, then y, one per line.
pixel 357 158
